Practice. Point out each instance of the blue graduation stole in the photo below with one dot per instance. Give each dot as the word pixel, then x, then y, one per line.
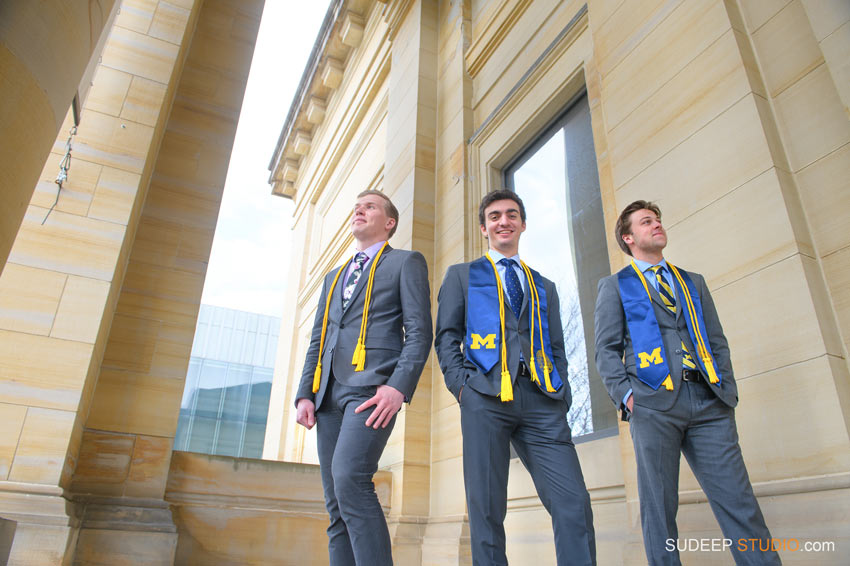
pixel 485 321
pixel 650 357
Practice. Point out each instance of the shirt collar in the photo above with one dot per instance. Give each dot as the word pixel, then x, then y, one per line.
pixel 644 265
pixel 497 256
pixel 373 249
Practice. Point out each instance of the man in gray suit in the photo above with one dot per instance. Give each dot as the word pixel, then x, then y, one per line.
pixel 662 355
pixel 371 338
pixel 500 344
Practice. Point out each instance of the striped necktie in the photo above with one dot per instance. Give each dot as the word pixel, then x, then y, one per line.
pixel 669 300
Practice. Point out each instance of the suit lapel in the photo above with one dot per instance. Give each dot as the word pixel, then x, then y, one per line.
pixel 364 278
pixel 335 309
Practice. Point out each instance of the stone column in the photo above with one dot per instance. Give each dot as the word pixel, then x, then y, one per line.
pixel 59 288
pixel 98 300
pixel 446 537
pixel 122 473
pixel 409 179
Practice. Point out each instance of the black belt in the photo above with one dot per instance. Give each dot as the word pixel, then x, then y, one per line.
pixel 692 375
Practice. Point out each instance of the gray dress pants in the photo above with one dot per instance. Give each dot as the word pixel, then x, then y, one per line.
pixel 348 456
pixel 536 426
pixel 703 428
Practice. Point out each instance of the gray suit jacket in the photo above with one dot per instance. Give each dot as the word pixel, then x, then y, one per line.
pixel 451 331
pixel 614 345
pixel 398 336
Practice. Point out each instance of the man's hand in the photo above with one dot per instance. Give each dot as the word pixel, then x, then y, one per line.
pixel 387 402
pixel 305 413
pixel 630 402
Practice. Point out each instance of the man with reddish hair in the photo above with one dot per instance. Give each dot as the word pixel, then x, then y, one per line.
pixel 664 359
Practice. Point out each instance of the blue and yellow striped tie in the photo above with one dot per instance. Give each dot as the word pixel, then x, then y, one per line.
pixel 669 300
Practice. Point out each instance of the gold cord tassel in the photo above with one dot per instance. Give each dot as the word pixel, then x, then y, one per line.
pixel 549 387
pixel 709 367
pixel 533 369
pixel 667 383
pixel 317 377
pixel 359 357
pixel 507 393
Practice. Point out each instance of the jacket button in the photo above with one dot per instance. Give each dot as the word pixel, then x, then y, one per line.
pixel 677 351
pixel 341 325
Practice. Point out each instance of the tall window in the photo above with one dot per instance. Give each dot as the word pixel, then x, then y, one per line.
pixel 556 178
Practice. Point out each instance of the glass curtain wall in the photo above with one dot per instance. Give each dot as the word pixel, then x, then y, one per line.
pixel 228 386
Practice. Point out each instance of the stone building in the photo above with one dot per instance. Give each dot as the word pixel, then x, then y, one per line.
pixel 733 114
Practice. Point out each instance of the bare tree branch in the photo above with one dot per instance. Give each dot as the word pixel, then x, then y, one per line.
pixel 580 416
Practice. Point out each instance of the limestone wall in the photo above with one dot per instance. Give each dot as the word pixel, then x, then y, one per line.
pixel 731 115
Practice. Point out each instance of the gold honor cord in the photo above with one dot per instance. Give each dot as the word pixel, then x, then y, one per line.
pixel 535 305
pixel 702 351
pixel 359 357
pixel 667 383
pixel 317 375
pixel 507 392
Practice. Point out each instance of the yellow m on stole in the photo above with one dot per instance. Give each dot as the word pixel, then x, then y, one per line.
pixel 653 357
pixel 489 342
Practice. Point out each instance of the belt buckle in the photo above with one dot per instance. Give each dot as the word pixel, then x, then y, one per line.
pixel 691 375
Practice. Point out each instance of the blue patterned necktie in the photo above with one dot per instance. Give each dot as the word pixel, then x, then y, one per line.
pixel 360 259
pixel 512 285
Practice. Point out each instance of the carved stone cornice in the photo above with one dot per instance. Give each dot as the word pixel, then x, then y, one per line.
pixel 326 41
pixel 346 24
pixel 332 72
pixel 301 142
pixel 351 32
pixel 289 171
pixel 316 109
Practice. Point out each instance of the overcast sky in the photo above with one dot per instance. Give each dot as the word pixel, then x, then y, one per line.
pixel 249 263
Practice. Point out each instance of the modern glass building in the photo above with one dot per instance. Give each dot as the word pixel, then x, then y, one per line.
pixel 226 399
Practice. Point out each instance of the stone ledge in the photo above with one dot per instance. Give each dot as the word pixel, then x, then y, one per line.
pixel 125 514
pixel 244 511
pixel 36 504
